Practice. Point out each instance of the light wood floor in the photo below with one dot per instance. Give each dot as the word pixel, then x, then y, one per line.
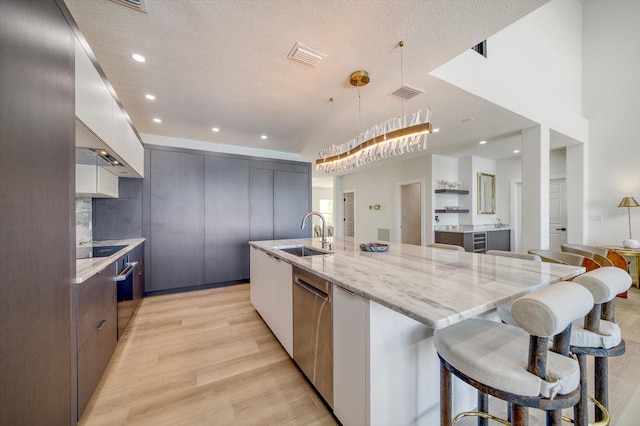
pixel 207 358
pixel 202 358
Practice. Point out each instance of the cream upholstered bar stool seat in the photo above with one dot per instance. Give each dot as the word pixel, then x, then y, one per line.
pixel 515 364
pixel 445 246
pixel 599 336
pixel 514 255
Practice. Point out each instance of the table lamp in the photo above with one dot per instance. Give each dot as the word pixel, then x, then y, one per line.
pixel 629 202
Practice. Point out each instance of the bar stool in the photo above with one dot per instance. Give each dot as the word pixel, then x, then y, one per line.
pixel 514 255
pixel 445 246
pixel 515 364
pixel 599 336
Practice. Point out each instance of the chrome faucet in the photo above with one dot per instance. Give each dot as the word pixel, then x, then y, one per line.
pixel 324 241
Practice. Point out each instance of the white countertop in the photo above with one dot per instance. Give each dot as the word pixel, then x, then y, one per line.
pixel 434 286
pixel 461 229
pixel 86 268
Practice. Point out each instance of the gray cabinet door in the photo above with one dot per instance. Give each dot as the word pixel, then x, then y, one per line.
pixel 499 240
pixel 261 204
pixel 177 220
pixel 226 206
pixel 291 201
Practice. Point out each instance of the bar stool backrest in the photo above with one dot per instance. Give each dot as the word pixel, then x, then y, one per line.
pixel 594 253
pixel 514 255
pixel 445 246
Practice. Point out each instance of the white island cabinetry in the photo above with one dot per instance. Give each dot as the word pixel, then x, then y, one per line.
pixel 350 361
pixel 386 307
pixel 271 295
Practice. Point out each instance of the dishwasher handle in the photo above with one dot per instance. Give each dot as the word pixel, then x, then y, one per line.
pixel 128 270
pixel 305 285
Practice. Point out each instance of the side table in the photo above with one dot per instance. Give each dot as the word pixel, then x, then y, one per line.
pixel 629 252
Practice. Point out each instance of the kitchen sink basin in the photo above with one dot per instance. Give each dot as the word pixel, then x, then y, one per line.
pixel 302 251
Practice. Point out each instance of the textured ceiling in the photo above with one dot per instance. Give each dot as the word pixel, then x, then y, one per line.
pixel 224 63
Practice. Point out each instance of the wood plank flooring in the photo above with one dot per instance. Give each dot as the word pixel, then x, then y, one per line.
pixel 202 358
pixel 207 358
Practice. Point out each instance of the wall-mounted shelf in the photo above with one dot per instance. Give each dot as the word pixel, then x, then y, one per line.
pixel 452 211
pixel 452 191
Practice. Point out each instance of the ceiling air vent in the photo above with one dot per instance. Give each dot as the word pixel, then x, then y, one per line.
pixel 306 54
pixel 133 4
pixel 407 92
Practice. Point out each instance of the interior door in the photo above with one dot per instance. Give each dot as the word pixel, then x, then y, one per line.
pixel 411 211
pixel 349 217
pixel 557 214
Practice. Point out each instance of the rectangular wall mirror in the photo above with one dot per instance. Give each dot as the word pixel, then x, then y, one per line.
pixel 486 193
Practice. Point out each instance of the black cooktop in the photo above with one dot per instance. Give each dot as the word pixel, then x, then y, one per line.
pixel 92 251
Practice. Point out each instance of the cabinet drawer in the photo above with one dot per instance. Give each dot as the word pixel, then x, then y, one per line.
pixel 93 359
pixel 96 298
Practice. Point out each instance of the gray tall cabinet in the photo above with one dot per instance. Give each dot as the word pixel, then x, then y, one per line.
pixel 37 260
pixel 200 210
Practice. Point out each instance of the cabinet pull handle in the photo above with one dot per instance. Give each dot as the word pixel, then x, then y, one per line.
pixel 101 325
pixel 126 271
pixel 311 289
pixel 345 290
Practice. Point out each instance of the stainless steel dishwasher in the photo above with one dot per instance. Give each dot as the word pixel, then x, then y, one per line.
pixel 313 330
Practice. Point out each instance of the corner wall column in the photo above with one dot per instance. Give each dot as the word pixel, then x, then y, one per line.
pixel 576 167
pixel 535 188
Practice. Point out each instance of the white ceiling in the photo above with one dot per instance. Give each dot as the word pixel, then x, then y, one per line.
pixel 224 63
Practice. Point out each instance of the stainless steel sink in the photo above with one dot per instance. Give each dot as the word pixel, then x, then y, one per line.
pixel 302 251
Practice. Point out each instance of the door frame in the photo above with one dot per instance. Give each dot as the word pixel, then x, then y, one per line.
pixel 344 228
pixel 398 219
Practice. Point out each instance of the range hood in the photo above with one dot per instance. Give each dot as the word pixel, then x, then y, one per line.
pixel 93 147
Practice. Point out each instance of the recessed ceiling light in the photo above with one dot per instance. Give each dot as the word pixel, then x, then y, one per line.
pixel 483 142
pixel 215 129
pixel 516 151
pixel 435 130
pixel 150 97
pixel 263 137
pixel 138 58
pixel 157 120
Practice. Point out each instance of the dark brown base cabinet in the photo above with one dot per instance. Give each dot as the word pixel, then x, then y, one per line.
pixel 477 242
pixel 95 301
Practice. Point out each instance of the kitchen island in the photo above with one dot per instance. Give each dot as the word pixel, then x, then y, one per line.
pixel 385 309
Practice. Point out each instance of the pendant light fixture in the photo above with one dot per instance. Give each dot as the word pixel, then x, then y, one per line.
pixel 394 137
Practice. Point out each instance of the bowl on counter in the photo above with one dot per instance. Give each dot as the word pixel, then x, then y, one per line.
pixel 374 247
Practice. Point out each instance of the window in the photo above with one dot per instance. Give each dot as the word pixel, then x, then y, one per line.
pixel 326 209
pixel 481 48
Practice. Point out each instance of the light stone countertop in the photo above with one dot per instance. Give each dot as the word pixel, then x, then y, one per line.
pixel 86 268
pixel 462 229
pixel 433 286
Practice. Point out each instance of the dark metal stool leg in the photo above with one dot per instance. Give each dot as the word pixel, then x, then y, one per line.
pixel 601 369
pixel 519 415
pixel 554 418
pixel 581 410
pixel 445 396
pixel 483 406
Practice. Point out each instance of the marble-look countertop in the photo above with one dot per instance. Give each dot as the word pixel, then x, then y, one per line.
pixel 434 286
pixel 461 229
pixel 86 268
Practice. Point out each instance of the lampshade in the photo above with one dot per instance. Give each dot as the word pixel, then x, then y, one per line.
pixel 628 202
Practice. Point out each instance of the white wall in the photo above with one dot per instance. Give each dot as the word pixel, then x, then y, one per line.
pixel 611 102
pixel 544 48
pixel 533 69
pixel 377 185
